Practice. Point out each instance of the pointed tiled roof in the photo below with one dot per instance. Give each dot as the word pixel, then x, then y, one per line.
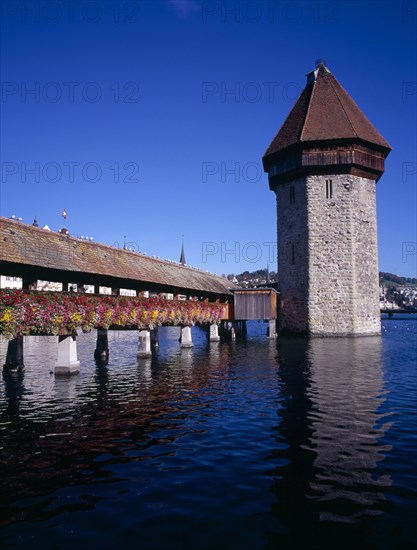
pixel 324 111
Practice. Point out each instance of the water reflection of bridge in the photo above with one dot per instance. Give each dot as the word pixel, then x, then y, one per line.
pixel 79 430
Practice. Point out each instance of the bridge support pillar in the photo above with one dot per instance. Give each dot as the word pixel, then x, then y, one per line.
pixel 224 329
pixel 14 357
pixel 186 340
pixel 227 329
pixel 214 333
pixel 67 362
pixel 144 346
pixel 155 338
pixel 239 329
pixel 102 346
pixel 272 330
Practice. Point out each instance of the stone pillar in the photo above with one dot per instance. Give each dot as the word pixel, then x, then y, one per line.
pixel 144 346
pixel 67 362
pixel 14 357
pixel 155 338
pixel 272 330
pixel 102 346
pixel 237 329
pixel 225 329
pixel 214 333
pixel 186 340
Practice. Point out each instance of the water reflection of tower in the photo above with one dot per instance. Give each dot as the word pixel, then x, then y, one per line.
pixel 347 392
pixel 327 477
pixel 294 468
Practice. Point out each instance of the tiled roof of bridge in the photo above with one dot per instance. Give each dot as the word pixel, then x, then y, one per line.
pixel 324 111
pixel 25 244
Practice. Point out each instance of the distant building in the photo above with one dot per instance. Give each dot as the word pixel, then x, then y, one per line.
pixel 47 286
pixel 10 282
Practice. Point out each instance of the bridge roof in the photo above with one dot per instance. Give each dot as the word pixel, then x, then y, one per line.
pixel 48 255
pixel 324 111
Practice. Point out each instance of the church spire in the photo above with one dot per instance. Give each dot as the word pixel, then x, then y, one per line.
pixel 182 257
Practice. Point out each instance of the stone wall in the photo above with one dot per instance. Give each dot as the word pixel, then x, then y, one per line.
pixel 293 256
pixel 330 286
pixel 366 299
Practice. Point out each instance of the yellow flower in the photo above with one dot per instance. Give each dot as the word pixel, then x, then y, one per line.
pixel 6 316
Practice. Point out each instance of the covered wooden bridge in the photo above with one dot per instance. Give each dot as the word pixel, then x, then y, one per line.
pixel 35 254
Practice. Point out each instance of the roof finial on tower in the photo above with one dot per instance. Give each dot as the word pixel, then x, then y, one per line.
pixel 182 257
pixel 321 62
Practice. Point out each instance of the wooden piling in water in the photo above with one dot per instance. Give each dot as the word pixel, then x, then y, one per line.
pixel 14 357
pixel 102 345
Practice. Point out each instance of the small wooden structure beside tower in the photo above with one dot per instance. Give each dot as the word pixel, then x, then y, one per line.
pixel 256 304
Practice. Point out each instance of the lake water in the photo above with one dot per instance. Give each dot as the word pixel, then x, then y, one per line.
pixel 250 444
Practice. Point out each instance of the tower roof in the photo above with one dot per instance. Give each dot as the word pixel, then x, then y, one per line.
pixel 324 111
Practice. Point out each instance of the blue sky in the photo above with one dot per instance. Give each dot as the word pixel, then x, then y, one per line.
pixel 149 119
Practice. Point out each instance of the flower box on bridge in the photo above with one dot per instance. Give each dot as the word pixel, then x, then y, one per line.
pixel 56 313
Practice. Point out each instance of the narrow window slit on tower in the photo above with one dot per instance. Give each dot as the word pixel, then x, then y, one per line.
pixel 292 194
pixel 329 189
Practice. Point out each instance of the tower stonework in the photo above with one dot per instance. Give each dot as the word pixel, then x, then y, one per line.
pixel 323 165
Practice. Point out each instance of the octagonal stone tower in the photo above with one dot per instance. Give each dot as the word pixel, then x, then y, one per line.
pixel 323 165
